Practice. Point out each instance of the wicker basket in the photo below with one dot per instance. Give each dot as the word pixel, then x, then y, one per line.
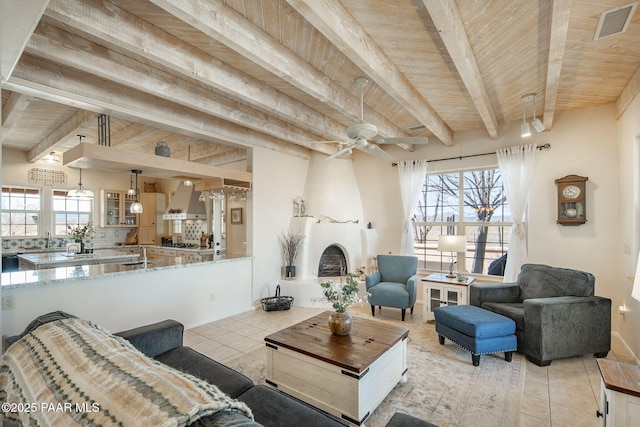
pixel 277 303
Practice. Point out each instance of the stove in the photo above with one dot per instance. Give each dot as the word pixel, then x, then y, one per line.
pixel 181 245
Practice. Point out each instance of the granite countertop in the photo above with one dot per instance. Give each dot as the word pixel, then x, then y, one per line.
pixel 33 278
pixel 53 259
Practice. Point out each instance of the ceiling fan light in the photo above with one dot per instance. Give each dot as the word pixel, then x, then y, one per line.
pixel 538 125
pixel 525 130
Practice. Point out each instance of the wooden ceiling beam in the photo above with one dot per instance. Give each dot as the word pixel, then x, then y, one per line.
pixel 73 87
pixel 446 17
pixel 558 28
pixel 131 134
pixel 67 129
pixel 67 49
pixel 222 23
pixel 336 24
pixel 13 108
pixel 130 33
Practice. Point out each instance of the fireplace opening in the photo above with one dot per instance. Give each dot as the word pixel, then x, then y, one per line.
pixel 333 262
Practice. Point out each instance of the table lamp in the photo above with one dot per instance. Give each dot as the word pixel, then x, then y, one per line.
pixel 452 243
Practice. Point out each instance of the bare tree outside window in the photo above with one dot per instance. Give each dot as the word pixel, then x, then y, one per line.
pixel 473 202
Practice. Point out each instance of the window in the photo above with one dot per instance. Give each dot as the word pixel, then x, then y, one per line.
pixel 69 212
pixel 472 203
pixel 20 212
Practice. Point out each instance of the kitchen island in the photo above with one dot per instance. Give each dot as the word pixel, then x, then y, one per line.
pixel 39 261
pixel 194 290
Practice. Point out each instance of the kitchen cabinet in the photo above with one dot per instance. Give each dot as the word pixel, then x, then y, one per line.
pixel 150 222
pixel 160 252
pixel 116 209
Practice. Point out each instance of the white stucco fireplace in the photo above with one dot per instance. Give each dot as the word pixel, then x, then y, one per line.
pixel 356 241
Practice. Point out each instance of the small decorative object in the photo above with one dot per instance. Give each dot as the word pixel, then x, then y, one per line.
pixel 299 208
pixel 277 302
pixel 236 216
pixel 162 149
pixel 149 187
pixel 369 225
pixel 572 203
pixel 291 243
pixel 341 296
pixel 340 323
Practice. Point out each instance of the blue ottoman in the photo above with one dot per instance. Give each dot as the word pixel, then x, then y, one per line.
pixel 477 330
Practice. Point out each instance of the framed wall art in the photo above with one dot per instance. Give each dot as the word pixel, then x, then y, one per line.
pixel 236 215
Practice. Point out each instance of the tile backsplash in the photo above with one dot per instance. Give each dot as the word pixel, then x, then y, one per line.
pixel 193 230
pixel 104 238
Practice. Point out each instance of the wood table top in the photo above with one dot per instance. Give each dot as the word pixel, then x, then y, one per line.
pixel 442 278
pixel 620 377
pixel 368 340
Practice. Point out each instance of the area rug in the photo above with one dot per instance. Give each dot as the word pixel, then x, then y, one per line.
pixel 443 387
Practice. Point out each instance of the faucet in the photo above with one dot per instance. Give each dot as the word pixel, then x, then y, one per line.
pixel 48 239
pixel 144 255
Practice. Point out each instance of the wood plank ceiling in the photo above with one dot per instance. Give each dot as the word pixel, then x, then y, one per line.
pixel 213 78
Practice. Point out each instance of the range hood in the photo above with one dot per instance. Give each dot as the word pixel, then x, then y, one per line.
pixel 185 205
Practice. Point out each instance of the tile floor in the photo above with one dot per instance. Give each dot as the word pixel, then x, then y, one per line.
pixel 565 393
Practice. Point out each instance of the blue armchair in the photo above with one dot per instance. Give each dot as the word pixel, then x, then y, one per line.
pixel 395 284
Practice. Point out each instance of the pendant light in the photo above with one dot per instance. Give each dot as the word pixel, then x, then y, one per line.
pixel 136 206
pixel 51 158
pixel 536 123
pixel 80 193
pixel 131 191
pixel 525 130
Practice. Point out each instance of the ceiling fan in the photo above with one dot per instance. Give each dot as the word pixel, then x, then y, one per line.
pixel 362 135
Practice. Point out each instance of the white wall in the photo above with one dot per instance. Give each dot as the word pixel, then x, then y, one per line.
pixel 126 301
pixel 277 179
pixel 629 219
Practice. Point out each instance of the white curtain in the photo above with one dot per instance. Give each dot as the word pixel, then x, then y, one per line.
pixel 517 165
pixel 412 174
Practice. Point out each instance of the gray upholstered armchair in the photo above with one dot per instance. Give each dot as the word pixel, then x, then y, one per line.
pixel 395 284
pixel 555 310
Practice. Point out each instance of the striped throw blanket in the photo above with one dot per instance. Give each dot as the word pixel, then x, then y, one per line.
pixel 72 372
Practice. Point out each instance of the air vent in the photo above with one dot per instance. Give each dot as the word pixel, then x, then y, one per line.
pixel 615 21
pixel 418 127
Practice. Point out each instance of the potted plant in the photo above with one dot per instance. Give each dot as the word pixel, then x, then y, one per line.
pixel 291 243
pixel 341 296
pixel 80 232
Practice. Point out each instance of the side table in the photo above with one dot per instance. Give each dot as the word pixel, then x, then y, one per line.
pixel 439 290
pixel 619 393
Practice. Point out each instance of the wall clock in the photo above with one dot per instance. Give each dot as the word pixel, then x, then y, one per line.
pixel 572 202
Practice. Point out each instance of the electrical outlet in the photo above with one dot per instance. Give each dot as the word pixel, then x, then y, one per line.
pixel 8 302
pixel 212 297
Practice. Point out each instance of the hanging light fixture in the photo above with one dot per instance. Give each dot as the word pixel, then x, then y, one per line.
pixel 80 193
pixel 536 123
pixel 525 130
pixel 136 206
pixel 51 158
pixel 131 191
